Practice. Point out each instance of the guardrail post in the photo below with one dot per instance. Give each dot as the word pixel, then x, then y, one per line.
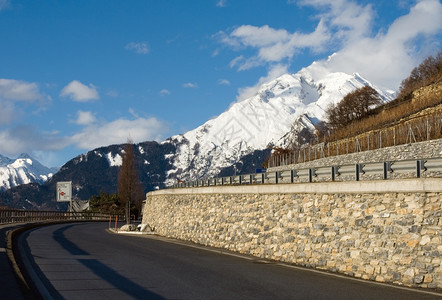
pixel 263 178
pixel 276 177
pixel 357 172
pixel 387 168
pixel 333 173
pixel 240 179
pixel 418 168
pixel 292 176
pixel 251 178
pixel 311 173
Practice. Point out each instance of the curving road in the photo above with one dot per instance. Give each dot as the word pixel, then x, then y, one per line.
pixel 85 261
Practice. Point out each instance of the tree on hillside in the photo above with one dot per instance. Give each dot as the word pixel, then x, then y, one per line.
pixel 355 105
pixel 129 187
pixel 106 203
pixel 428 72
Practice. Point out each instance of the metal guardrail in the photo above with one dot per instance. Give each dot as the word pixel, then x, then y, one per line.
pixel 431 167
pixel 24 216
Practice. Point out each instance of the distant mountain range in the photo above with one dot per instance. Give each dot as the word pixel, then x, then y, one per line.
pixel 234 142
pixel 22 170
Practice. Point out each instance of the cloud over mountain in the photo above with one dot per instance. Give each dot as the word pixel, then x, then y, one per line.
pixel 118 131
pixel 385 56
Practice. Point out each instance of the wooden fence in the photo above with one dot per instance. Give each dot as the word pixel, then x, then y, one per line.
pixel 416 130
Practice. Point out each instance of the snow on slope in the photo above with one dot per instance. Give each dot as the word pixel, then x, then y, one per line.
pixel 260 120
pixel 22 170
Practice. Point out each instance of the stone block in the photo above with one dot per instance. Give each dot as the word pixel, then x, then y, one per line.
pixel 412 243
pixel 424 240
pixel 128 227
pixel 418 279
pixel 380 278
pixel 428 278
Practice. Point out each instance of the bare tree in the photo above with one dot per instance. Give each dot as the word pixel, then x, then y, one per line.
pixel 355 105
pixel 428 72
pixel 129 187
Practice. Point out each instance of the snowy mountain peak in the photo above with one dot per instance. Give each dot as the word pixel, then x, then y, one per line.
pixel 24 169
pixel 4 160
pixel 261 120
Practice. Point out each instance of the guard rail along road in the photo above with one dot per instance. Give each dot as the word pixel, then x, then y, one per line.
pixel 26 216
pixel 431 167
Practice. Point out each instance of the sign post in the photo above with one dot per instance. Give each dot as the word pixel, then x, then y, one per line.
pixel 64 192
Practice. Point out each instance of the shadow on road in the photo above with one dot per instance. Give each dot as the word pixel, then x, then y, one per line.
pixel 118 281
pixel 107 274
pixel 73 249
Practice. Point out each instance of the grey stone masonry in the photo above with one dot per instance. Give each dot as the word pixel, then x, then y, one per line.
pixel 382 230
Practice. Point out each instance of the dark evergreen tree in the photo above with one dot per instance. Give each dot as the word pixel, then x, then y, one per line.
pixel 130 192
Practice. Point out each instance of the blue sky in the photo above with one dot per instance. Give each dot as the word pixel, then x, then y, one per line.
pixel 80 74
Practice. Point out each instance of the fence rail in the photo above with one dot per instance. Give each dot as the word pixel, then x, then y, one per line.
pixel 416 130
pixel 431 167
pixel 23 216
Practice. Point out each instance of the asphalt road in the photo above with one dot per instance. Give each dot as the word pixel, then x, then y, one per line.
pixel 85 261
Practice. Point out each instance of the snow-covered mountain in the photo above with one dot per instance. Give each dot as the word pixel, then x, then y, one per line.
pixel 22 170
pixel 234 142
pixel 261 120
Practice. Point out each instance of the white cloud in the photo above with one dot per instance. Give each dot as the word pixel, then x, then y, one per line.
pixel 347 19
pixel 118 131
pixel 387 58
pixel 79 92
pixel 190 85
pixel 85 118
pixel 273 45
pixel 221 3
pixel 133 113
pixel 26 138
pixel 13 91
pixel 139 48
pixel 7 113
pixel 223 82
pixel 164 92
pixel 18 90
pixel 236 61
pixel 4 4
pixel 384 56
pixel 112 93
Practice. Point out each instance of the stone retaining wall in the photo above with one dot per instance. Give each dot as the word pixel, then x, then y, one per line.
pixel 387 231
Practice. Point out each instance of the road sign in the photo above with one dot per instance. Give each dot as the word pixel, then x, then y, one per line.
pixel 64 191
